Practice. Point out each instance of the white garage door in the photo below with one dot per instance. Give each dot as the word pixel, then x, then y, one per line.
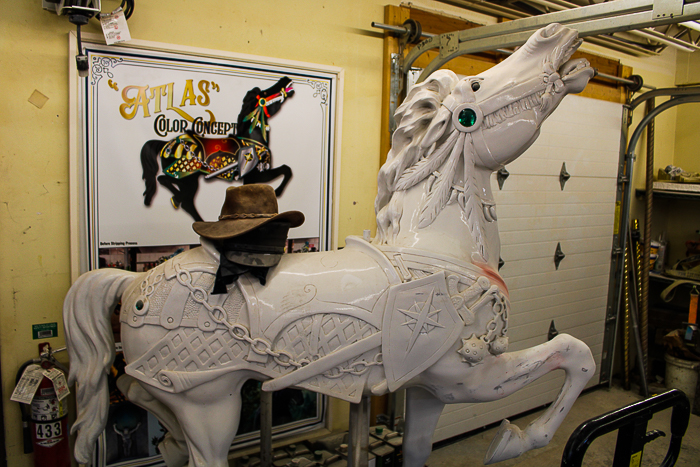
pixel 535 215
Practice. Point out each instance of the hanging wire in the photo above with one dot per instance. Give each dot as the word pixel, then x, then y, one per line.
pixel 128 7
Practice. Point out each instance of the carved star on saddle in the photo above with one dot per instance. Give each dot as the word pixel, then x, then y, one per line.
pixel 421 319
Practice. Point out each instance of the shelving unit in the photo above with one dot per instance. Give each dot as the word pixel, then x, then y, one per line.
pixel 667 316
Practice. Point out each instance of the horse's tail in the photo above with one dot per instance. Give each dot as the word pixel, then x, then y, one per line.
pixel 87 312
pixel 149 162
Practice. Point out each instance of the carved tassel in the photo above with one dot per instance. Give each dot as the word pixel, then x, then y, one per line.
pixel 473 207
pixel 419 171
pixel 441 189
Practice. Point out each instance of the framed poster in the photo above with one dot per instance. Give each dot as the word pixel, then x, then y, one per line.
pixel 158 135
pixel 162 133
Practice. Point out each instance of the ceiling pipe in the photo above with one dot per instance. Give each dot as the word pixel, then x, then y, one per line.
pixel 487 8
pixel 664 39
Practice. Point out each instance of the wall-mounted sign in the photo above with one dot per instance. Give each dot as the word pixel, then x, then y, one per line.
pixel 44 330
pixel 163 135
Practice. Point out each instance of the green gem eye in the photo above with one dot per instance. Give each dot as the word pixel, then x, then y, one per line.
pixel 467 117
pixel 139 305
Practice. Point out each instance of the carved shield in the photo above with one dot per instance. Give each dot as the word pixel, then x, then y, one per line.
pixel 420 325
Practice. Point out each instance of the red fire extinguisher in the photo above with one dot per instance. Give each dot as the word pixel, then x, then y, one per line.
pixel 49 425
pixel 45 418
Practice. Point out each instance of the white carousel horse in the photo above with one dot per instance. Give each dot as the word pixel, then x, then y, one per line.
pixel 421 307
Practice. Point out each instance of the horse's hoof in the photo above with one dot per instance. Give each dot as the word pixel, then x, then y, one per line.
pixel 175 203
pixel 507 444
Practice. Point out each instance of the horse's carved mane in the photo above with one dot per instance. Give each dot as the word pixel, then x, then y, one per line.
pixel 420 145
pixel 424 145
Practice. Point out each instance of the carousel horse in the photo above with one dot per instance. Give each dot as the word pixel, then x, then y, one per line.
pixel 245 155
pixel 422 306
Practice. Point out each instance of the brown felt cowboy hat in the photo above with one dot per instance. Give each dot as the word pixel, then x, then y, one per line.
pixel 246 208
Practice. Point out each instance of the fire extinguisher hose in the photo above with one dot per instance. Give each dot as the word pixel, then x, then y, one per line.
pixel 24 409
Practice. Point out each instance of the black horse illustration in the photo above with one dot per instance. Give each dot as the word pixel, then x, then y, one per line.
pixel 244 155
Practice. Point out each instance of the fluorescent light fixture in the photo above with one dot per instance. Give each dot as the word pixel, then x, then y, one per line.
pixel 691 25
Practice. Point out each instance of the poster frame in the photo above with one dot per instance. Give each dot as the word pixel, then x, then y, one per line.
pixel 77 176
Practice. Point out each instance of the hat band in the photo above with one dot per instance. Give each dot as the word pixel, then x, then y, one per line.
pixel 245 216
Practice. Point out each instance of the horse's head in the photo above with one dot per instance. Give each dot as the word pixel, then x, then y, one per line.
pixel 452 133
pixel 504 106
pixel 258 106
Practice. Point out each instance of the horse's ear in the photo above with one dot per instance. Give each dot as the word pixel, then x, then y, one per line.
pixel 437 127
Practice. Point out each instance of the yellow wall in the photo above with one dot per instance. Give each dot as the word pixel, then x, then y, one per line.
pixel 34 194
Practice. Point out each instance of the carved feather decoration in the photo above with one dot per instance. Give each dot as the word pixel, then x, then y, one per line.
pixel 424 167
pixel 439 193
pixel 471 202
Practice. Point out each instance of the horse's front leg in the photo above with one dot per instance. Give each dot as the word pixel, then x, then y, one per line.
pixel 422 414
pixel 498 377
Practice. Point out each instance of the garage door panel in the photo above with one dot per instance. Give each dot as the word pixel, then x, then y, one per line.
pixel 559 288
pixel 551 184
pixel 555 234
pixel 537 308
pixel 581 325
pixel 544 166
pixel 524 249
pixel 512 210
pixel 513 269
pixel 537 196
pixel 553 222
pixel 537 279
pixel 536 313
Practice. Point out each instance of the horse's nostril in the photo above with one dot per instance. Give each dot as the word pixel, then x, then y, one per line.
pixel 551 30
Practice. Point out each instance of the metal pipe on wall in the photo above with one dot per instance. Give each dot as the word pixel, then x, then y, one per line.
pixel 265 429
pixel 646 250
pixel 626 329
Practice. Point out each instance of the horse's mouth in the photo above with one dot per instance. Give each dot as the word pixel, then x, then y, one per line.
pixel 573 68
pixel 513 109
pixel 574 74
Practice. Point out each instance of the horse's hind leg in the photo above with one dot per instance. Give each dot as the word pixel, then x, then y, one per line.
pixel 209 416
pixel 174 446
pixel 422 414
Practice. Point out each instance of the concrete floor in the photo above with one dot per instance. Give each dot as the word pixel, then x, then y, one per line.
pixel 471 450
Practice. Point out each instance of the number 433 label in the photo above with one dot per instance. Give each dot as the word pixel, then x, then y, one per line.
pixel 50 433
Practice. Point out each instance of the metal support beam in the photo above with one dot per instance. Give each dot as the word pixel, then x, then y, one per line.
pixel 601 10
pixel 359 433
pixel 592 25
pixel 265 429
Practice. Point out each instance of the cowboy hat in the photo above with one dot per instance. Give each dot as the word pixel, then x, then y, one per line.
pixel 246 208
